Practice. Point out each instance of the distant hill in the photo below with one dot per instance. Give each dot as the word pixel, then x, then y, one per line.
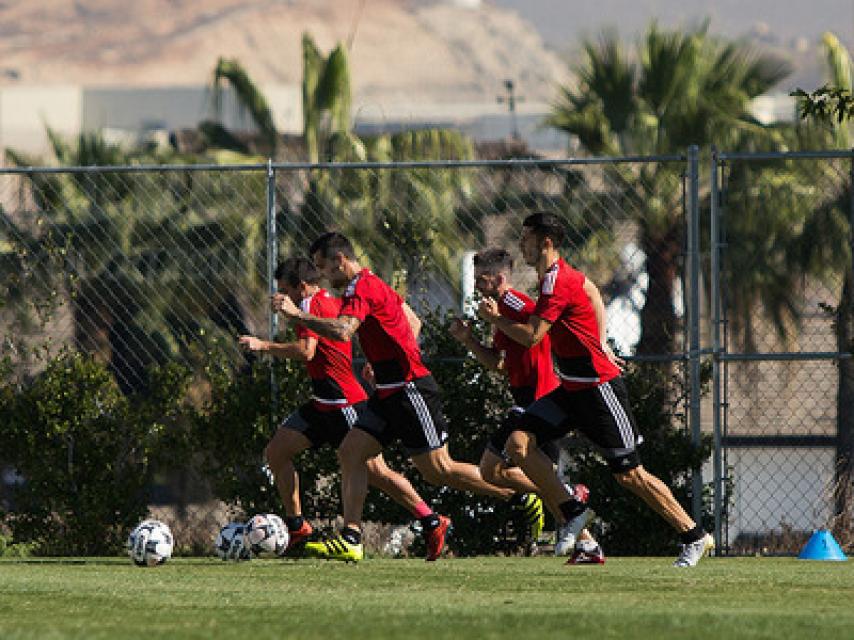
pixel 401 50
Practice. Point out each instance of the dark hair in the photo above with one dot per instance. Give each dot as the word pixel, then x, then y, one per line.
pixel 494 260
pixel 545 225
pixel 297 270
pixel 331 243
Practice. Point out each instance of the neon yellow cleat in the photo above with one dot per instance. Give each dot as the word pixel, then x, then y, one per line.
pixel 335 548
pixel 531 507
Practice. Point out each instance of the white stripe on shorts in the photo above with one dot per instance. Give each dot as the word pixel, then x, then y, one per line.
pixel 423 414
pixel 616 409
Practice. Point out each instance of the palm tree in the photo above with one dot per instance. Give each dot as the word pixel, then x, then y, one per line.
pixel 249 97
pixel 149 263
pixel 831 223
pixel 685 88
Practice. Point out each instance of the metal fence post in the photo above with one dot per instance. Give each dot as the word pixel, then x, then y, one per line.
pixel 714 277
pixel 272 260
pixel 694 327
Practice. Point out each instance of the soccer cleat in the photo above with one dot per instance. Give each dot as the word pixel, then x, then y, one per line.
pixel 435 538
pixel 298 538
pixel 531 507
pixel 335 548
pixel 587 552
pixel 691 553
pixel 568 532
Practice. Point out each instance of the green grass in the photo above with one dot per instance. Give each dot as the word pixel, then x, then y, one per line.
pixel 450 599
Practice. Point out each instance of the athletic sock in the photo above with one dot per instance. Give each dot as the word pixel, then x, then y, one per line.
pixel 692 535
pixel 294 522
pixel 572 508
pixel 422 510
pixel 518 499
pixel 351 535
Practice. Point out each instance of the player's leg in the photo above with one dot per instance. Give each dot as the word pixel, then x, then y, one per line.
pixel 438 468
pixel 398 488
pixel 286 444
pixel 393 484
pixel 615 432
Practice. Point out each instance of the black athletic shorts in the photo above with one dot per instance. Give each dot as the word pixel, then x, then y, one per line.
pixel 413 415
pixel 602 414
pixel 324 427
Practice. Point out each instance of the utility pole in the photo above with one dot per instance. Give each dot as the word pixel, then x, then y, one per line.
pixel 511 99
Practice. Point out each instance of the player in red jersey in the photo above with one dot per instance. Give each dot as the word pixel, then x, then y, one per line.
pixel 592 397
pixel 531 375
pixel 336 402
pixel 406 405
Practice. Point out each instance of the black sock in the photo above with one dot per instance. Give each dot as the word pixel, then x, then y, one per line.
pixel 351 535
pixel 429 522
pixel 517 500
pixel 692 535
pixel 294 522
pixel 572 508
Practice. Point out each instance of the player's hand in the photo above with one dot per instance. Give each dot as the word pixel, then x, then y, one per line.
pixel 284 305
pixel 368 375
pixel 460 329
pixel 488 309
pixel 251 343
pixel 613 357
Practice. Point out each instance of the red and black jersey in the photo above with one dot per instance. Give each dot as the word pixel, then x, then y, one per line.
pixel 331 370
pixel 384 333
pixel 530 370
pixel 576 343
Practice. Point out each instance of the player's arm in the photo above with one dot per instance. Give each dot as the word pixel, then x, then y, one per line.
pixel 414 320
pixel 301 349
pixel 487 356
pixel 527 334
pixel 342 328
pixel 592 292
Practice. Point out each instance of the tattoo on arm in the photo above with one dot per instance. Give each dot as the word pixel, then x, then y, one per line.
pixel 341 328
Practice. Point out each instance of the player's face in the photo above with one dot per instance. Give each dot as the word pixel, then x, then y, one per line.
pixel 486 283
pixel 529 247
pixel 331 268
pixel 294 293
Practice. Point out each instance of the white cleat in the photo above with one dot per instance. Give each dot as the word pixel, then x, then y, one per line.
pixel 691 553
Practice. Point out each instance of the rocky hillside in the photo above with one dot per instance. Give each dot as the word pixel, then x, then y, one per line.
pixel 432 51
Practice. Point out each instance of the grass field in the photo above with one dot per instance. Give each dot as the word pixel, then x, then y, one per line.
pixel 464 598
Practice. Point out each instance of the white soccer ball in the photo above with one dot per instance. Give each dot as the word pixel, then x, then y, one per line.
pixel 231 542
pixel 150 543
pixel 267 534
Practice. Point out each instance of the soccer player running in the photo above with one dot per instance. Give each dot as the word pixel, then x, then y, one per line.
pixel 405 406
pixel 337 401
pixel 531 375
pixel 592 397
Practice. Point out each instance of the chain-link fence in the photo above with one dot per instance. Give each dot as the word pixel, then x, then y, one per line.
pixel 141 266
pixel 781 320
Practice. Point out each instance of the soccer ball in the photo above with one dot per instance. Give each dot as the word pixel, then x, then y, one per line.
pixel 231 542
pixel 150 543
pixel 267 534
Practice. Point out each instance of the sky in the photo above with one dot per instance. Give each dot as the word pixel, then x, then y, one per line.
pixel 562 22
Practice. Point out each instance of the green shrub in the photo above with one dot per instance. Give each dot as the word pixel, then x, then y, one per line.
pixel 86 453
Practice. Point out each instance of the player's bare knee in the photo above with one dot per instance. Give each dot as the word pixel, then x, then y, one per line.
pixel 517 446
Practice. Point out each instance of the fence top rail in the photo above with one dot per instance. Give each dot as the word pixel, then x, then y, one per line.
pixel 789 155
pixel 302 166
